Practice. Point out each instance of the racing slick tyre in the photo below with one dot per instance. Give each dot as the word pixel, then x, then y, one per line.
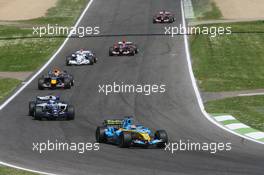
pixel 136 49
pixel 171 20
pixel 111 51
pixel 91 62
pixel 41 82
pixel 72 80
pixel 125 140
pixel 38 113
pixel 71 113
pixel 132 52
pixel 67 83
pixel 162 135
pixel 100 134
pixel 95 60
pixel 68 61
pixel 31 107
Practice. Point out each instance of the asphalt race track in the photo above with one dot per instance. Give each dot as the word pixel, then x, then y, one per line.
pixel 161 60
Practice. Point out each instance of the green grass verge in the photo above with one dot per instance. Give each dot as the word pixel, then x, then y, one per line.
pixel 11 171
pixel 206 9
pixel 230 62
pixel 248 110
pixel 27 54
pixel 13 32
pixel 7 85
pixel 30 53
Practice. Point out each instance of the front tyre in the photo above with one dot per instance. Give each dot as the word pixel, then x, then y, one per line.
pixel 71 113
pixel 161 135
pixel 31 107
pixel 38 113
pixel 125 140
pixel 41 83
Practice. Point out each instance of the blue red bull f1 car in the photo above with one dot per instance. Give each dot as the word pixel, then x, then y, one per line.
pixel 124 133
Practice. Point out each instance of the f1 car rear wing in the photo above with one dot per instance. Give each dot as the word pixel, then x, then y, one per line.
pixel 46 98
pixel 113 122
pixel 127 42
pixel 116 122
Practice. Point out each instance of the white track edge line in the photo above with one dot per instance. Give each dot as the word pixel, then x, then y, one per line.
pixel 194 84
pixel 47 63
pixel 30 80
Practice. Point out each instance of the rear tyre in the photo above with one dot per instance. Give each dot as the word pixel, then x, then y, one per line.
pixel 71 113
pixel 100 134
pixel 72 80
pixel 31 107
pixel 95 60
pixel 136 49
pixel 125 140
pixel 111 51
pixel 68 61
pixel 67 83
pixel 91 61
pixel 38 113
pixel 132 52
pixel 162 135
pixel 41 82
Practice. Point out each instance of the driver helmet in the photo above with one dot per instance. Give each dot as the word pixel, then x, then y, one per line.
pixel 115 46
pixel 123 43
pixel 56 71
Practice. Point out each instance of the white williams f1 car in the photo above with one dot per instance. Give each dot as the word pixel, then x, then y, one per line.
pixel 50 107
pixel 81 57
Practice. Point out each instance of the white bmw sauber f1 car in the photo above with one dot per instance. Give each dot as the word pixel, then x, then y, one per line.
pixel 81 57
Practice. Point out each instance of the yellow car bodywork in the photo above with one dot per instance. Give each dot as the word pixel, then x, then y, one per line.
pixel 139 135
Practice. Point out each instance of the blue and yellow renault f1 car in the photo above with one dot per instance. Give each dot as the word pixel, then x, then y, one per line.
pixel 124 133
